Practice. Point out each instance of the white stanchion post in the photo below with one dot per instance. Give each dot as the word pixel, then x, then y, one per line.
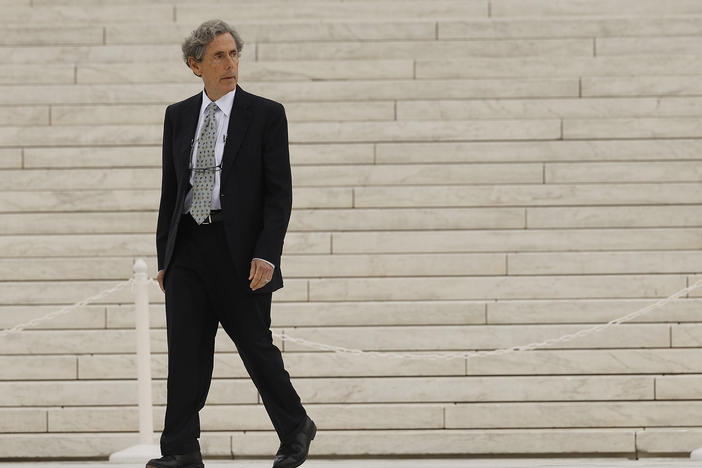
pixel 146 448
pixel 141 302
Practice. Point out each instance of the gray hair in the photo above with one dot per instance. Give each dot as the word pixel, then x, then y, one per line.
pixel 195 44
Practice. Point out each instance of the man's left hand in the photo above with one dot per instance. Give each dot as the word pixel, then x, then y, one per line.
pixel 260 274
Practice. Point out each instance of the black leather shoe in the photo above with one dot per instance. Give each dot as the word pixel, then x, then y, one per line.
pixel 187 460
pixel 294 453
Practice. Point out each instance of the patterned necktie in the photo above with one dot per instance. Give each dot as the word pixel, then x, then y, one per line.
pixel 204 167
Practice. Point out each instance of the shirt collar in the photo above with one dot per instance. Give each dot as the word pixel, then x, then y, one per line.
pixel 224 103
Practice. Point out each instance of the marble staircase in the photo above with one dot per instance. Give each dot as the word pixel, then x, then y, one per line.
pixel 468 175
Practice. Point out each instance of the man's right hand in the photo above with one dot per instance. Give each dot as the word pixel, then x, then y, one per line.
pixel 159 277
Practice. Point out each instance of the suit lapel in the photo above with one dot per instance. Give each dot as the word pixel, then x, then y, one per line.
pixel 239 120
pixel 191 113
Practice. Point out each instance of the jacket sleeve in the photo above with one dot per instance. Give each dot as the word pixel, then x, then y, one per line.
pixel 168 190
pixel 277 196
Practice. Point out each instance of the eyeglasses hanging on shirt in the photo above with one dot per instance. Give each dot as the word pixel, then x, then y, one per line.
pixel 218 167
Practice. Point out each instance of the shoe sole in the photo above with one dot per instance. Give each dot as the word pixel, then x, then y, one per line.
pixel 196 465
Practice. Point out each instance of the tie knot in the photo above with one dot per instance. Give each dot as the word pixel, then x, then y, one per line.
pixel 211 108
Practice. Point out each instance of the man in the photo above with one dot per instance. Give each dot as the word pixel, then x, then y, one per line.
pixel 226 197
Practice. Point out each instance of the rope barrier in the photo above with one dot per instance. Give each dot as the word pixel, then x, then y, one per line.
pixel 64 310
pixel 495 352
pixel 392 355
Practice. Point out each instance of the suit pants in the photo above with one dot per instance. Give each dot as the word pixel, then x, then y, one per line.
pixel 203 290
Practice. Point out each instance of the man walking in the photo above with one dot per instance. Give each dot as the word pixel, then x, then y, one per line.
pixel 226 197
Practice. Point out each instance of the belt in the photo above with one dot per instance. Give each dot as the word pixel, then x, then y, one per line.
pixel 215 216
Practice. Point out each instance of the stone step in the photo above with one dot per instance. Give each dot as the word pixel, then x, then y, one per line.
pixel 358 390
pixel 106 70
pixel 113 392
pixel 633 107
pixel 251 31
pixel 276 11
pixel 669 110
pixel 27 74
pixel 558 66
pixel 333 132
pixel 103 341
pixel 527 194
pixel 87 54
pixel 387 265
pixel 614 216
pixel 48 35
pixel 673 387
pixel 70 292
pixel 55 367
pixel 296 266
pixel 689 335
pixel 293 71
pixel 337 176
pixel 99 445
pixel 376 338
pixel 128 245
pixel 97 114
pixel 669 171
pixel 292 30
pixel 325 50
pixel 141 200
pixel 615 442
pixel 443 109
pixel 382 153
pixel 374 416
pixel 73 14
pixel 498 442
pixel 10 157
pixel 640 127
pixel 121 316
pixel 316 364
pixel 227 365
pixel 593 8
pixel 483 337
pixel 84 317
pixel 586 311
pixel 23 420
pixel 681 85
pixel 448 312
pixel 486 288
pixel 248 417
pixel 615 24
pixel 321 10
pixel 319 219
pixel 527 240
pixel 150 156
pixel 301 91
pixel 547 263
pixel 377 242
pixel 647 45
pixel 662 149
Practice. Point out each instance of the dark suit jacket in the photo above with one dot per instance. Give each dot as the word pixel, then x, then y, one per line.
pixel 255 183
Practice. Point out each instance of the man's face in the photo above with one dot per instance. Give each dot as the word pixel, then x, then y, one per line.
pixel 219 68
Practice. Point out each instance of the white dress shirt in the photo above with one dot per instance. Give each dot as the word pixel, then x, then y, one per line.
pixel 223 110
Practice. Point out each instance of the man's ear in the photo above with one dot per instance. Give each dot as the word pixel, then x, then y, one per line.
pixel 194 66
